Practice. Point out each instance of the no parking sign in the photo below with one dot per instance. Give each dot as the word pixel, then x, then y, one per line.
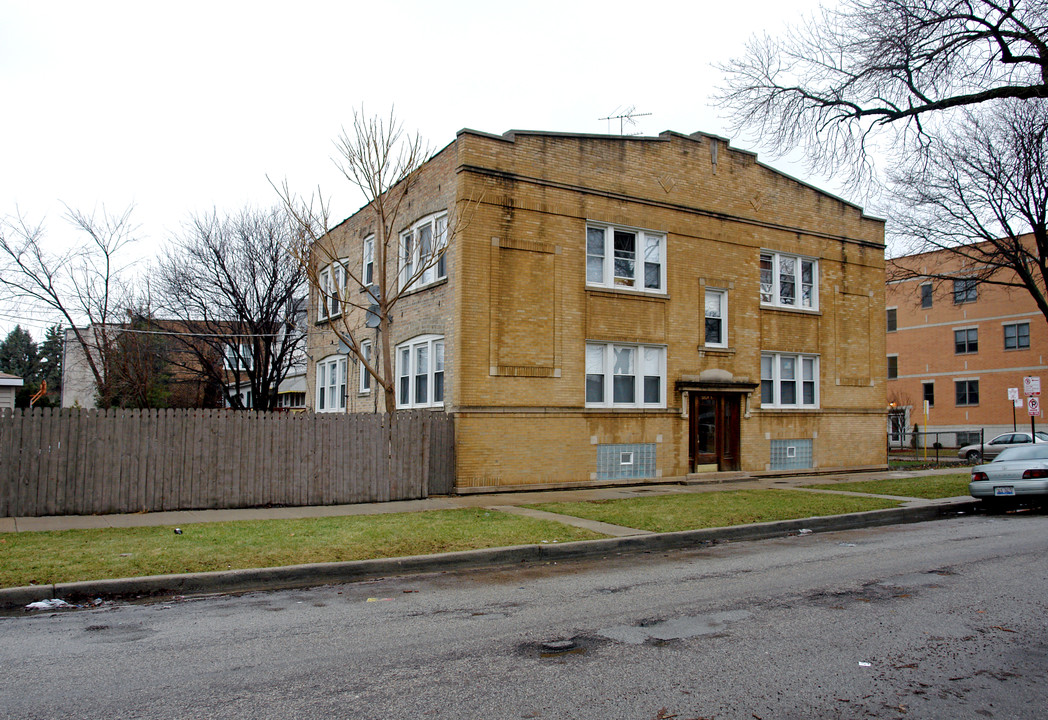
pixel 1033 405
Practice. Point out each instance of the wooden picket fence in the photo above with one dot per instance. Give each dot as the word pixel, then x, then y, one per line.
pixel 83 462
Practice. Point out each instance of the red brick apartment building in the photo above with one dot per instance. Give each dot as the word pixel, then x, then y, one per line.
pixel 960 345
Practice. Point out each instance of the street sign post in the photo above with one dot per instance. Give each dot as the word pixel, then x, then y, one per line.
pixel 1032 389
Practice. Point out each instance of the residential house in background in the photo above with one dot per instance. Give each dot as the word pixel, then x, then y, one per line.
pixel 9 385
pixel 959 346
pixel 623 308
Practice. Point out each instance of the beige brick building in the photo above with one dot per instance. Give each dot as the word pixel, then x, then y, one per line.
pixel 620 308
pixel 960 345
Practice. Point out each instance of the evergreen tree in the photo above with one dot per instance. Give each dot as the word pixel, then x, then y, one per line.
pixel 51 362
pixel 19 355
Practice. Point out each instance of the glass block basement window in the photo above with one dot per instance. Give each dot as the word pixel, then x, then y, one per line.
pixel 791 454
pixel 636 460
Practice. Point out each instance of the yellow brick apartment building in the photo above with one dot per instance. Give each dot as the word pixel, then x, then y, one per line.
pixel 624 308
pixel 960 345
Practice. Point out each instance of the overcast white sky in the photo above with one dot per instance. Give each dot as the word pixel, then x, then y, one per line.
pixel 183 107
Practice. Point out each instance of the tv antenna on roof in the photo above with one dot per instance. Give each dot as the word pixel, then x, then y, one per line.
pixel 625 118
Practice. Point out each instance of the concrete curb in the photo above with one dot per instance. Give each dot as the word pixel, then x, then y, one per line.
pixel 299 576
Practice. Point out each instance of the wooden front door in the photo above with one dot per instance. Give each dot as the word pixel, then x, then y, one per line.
pixel 714 430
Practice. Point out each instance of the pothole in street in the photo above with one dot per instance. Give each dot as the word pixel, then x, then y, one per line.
pixel 682 628
pixel 560 647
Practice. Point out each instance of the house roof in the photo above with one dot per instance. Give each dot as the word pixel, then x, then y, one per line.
pixel 10 380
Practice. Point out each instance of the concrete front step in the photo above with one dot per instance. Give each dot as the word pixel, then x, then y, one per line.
pixel 711 478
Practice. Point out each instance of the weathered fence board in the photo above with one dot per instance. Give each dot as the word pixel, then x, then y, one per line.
pixel 81 462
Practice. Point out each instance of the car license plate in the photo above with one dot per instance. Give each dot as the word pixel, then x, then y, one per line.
pixel 1004 490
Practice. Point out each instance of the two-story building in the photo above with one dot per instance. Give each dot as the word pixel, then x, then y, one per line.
pixel 622 308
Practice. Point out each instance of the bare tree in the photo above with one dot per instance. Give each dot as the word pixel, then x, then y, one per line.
pixel 234 288
pixel 884 71
pixel 981 194
pixel 378 158
pixel 86 285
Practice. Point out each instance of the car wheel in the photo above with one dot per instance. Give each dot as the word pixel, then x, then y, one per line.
pixel 972 456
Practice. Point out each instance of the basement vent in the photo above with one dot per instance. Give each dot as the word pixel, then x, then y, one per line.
pixel 791 454
pixel 626 461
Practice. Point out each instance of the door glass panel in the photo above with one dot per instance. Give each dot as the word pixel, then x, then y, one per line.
pixel 706 440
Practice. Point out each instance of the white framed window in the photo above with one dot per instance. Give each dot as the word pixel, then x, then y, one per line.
pixel 331 286
pixel 789 381
pixel 237 357
pixel 716 318
pixel 620 375
pixel 331 384
pixel 365 376
pixel 367 269
pixel 420 372
pixel 620 257
pixel 422 252
pixel 789 281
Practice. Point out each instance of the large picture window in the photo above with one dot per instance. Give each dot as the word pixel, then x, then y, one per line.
pixel 331 384
pixel 618 257
pixel 620 375
pixel 789 281
pixel 789 381
pixel 420 372
pixel 422 256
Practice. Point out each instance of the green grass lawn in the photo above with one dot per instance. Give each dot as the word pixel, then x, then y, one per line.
pixel 692 511
pixel 929 487
pixel 72 555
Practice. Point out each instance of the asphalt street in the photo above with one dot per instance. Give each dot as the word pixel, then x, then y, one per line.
pixel 927 620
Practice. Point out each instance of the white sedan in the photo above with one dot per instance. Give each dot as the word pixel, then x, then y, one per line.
pixel 1018 473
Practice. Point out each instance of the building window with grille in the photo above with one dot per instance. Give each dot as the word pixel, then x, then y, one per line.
pixel 967 392
pixel 1017 336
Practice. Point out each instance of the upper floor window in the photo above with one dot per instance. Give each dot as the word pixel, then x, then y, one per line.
pixel 965 290
pixel 893 367
pixel 967 392
pixel 331 284
pixel 892 320
pixel 789 281
pixel 929 393
pixel 618 257
pixel 716 318
pixel 1017 336
pixel 966 341
pixel 789 380
pixel 365 376
pixel 237 357
pixel 420 372
pixel 422 256
pixel 926 295
pixel 331 384
pixel 367 270
pixel 625 375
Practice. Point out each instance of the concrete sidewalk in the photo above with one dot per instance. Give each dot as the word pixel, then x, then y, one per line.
pixel 621 540
pixel 505 501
